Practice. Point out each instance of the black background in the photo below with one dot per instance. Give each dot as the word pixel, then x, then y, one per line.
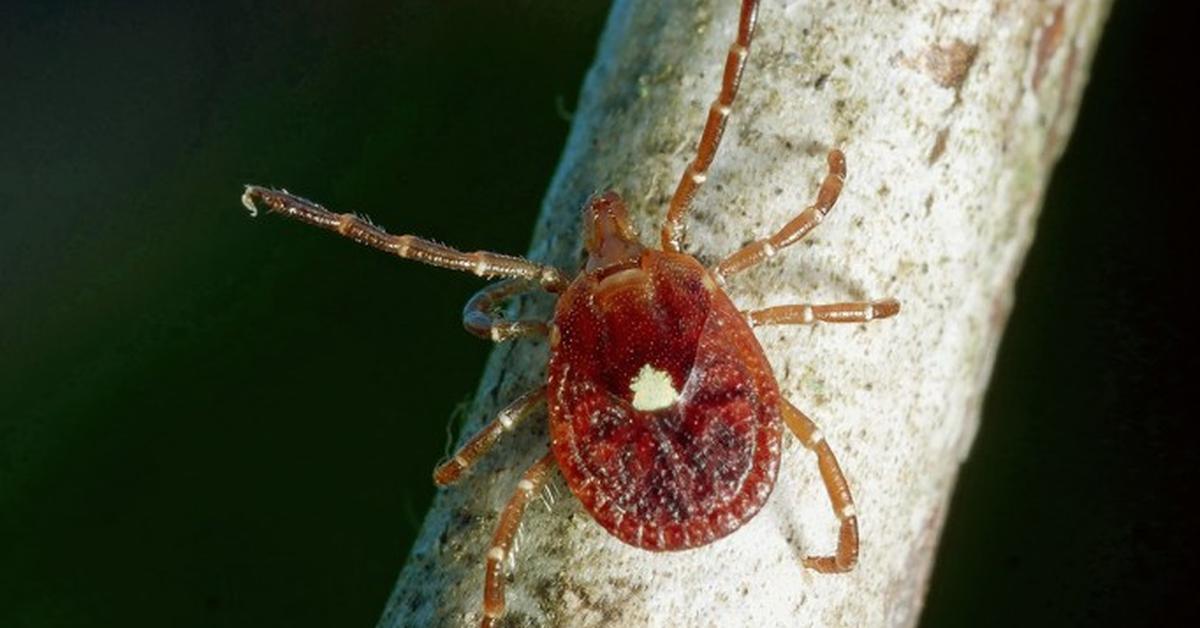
pixel 207 420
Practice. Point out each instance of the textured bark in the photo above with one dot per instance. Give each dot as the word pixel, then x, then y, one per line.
pixel 951 120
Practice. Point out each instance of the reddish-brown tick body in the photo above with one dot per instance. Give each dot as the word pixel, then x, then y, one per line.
pixel 679 476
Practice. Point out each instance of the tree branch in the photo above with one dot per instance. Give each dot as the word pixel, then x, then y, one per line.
pixel 951 121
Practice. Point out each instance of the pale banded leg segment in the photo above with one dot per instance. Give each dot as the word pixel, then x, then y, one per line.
pixel 714 128
pixel 502 540
pixel 479 319
pixel 846 555
pixel 793 231
pixel 452 470
pixel 804 314
pixel 481 263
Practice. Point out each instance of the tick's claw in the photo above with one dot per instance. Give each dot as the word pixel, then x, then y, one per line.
pixel 886 308
pixel 279 201
pixel 248 199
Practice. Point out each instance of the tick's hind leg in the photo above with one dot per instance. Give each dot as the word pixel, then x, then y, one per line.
pixel 482 263
pixel 450 471
pixel 804 314
pixel 502 541
pixel 835 484
pixel 479 320
pixel 799 227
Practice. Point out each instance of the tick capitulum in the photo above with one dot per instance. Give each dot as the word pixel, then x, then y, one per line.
pixel 665 418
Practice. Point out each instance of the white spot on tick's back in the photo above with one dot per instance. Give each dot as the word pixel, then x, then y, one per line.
pixel 652 389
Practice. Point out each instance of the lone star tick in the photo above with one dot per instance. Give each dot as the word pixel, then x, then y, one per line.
pixel 664 413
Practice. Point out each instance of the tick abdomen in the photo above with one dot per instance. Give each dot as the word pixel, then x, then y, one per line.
pixel 664 412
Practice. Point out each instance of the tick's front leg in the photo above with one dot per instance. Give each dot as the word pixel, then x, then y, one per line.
pixel 714 128
pixel 481 263
pixel 479 319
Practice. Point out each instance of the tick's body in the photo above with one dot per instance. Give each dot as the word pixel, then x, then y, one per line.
pixel 686 464
pixel 664 413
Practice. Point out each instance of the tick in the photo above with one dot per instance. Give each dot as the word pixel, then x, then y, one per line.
pixel 665 418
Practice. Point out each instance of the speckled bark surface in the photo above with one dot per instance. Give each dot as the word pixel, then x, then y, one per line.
pixel 951 120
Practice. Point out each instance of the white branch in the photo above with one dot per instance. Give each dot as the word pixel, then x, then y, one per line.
pixel 951 119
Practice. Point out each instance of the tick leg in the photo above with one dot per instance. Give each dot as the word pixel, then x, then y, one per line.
pixel 479 320
pixel 793 231
pixel 714 129
pixel 804 314
pixel 482 263
pixel 450 471
pixel 835 484
pixel 502 539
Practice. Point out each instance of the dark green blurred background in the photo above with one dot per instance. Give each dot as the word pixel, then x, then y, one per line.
pixel 207 420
